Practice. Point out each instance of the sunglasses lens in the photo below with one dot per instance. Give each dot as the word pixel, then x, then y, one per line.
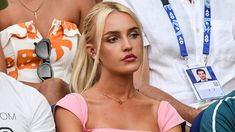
pixel 45 71
pixel 43 50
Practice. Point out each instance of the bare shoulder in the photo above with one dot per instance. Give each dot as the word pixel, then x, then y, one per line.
pixel 81 3
pixel 91 96
pixel 150 101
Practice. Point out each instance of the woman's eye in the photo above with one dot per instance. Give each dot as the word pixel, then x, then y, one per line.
pixel 134 35
pixel 112 39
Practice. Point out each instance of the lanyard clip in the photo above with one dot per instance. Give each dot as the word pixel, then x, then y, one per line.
pixel 185 58
pixel 205 59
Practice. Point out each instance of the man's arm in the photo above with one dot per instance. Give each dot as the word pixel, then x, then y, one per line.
pixel 187 112
pixel 54 89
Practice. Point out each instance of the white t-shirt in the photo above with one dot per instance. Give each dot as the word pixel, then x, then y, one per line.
pixel 165 62
pixel 22 108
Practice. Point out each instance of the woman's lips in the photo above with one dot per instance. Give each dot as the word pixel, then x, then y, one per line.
pixel 129 58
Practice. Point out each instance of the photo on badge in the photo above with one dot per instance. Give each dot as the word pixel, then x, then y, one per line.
pixel 204 83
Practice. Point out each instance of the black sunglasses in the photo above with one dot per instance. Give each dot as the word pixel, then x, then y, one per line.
pixel 43 51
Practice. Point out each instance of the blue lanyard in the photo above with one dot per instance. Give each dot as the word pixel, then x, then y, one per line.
pixel 207 28
pixel 179 34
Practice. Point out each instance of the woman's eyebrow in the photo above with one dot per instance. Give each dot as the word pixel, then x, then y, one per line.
pixel 117 32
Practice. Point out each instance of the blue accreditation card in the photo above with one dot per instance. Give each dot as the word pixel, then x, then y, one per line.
pixel 204 83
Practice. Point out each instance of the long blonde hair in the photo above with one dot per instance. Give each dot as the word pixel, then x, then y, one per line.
pixel 86 70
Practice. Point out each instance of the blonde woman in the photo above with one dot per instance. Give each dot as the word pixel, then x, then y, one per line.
pixel 110 50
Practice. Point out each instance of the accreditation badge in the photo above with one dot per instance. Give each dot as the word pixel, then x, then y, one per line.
pixel 204 83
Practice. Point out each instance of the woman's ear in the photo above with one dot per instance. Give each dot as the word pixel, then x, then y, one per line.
pixel 91 50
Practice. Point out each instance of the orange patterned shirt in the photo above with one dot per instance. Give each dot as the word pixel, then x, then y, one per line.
pixel 19 49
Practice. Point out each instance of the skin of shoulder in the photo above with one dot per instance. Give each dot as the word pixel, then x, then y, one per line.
pixel 149 100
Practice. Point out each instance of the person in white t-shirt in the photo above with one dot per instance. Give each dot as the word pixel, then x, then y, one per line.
pixel 164 66
pixel 22 108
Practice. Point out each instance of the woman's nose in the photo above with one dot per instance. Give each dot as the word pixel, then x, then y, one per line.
pixel 127 45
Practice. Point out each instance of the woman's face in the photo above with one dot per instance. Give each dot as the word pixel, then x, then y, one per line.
pixel 121 49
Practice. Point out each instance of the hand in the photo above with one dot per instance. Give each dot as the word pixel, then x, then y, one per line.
pixel 54 89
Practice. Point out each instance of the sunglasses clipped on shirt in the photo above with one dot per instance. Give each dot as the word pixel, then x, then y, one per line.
pixel 43 51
